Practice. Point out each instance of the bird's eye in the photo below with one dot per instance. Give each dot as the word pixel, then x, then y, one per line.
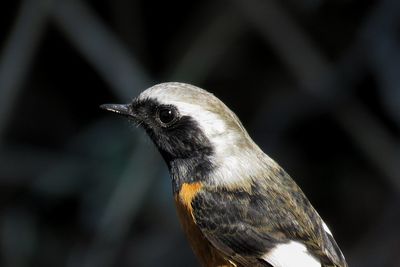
pixel 167 115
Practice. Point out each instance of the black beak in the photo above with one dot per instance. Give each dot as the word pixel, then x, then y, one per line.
pixel 122 109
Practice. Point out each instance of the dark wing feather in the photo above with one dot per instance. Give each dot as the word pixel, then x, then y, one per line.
pixel 246 224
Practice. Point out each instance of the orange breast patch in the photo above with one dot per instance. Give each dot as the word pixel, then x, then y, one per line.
pixel 206 253
pixel 188 192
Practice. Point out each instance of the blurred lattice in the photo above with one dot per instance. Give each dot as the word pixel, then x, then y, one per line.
pixel 315 82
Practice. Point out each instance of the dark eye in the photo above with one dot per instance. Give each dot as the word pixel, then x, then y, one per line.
pixel 167 115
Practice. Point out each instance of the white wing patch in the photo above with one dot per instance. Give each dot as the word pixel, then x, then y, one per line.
pixel 292 254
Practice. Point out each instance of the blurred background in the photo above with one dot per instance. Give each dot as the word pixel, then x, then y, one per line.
pixel 315 82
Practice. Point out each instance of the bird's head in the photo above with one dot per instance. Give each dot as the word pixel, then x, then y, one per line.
pixel 191 127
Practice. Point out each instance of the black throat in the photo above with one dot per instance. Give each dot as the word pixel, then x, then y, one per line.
pixel 189 170
pixel 187 152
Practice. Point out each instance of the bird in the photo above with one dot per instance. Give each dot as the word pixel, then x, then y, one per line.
pixel 237 206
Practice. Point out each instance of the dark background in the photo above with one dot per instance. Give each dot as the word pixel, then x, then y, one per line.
pixel 315 82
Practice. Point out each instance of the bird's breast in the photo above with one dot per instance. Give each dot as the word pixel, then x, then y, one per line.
pixel 207 254
pixel 186 194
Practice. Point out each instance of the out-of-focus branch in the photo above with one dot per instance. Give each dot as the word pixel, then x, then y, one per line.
pixel 371 137
pixel 18 52
pixel 124 203
pixel 199 59
pixel 101 48
pixel 302 57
